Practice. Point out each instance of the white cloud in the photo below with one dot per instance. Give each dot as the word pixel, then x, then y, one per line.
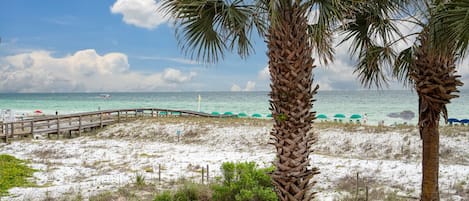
pixel 235 87
pixel 250 86
pixel 173 59
pixel 85 70
pixel 264 74
pixel 141 13
pixel 176 76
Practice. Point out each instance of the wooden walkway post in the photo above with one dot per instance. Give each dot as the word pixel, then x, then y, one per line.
pixel 118 116
pixel 12 129
pixel 79 125
pixel 32 127
pixel 101 120
pixel 58 126
pixel 1 127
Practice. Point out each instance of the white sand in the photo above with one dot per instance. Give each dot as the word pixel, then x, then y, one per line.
pixel 93 164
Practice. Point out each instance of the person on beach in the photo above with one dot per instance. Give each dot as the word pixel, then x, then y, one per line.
pixel 365 118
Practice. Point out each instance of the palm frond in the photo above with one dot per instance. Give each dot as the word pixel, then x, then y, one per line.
pixel 403 64
pixel 206 29
pixel 327 14
pixel 455 15
pixel 370 66
pixel 372 33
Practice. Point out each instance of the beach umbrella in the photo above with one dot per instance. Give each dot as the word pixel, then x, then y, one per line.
pixel 355 116
pixel 269 115
pixel 321 116
pixel 242 114
pixel 215 113
pixel 256 115
pixel 163 113
pixel 340 116
pixel 464 121
pixel 228 113
pixel 37 112
pixel 453 120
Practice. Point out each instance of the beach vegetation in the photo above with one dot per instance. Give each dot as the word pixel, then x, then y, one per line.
pixel 207 29
pixel 14 173
pixel 239 182
pixel 428 65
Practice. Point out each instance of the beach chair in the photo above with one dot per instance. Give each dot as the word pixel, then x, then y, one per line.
pixel 464 122
pixel 451 121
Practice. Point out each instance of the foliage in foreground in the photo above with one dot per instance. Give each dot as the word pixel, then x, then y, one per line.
pixel 240 182
pixel 13 173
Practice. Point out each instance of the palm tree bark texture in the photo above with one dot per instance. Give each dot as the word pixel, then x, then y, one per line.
pixel 291 66
pixel 435 82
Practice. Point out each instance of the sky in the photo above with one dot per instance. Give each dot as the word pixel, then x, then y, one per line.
pixel 127 46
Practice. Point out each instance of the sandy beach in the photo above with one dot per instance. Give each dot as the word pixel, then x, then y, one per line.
pixel 386 159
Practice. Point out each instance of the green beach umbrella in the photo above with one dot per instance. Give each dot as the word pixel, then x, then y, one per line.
pixel 321 116
pixel 269 115
pixel 356 116
pixel 175 113
pixel 163 113
pixel 256 115
pixel 228 113
pixel 341 116
pixel 215 113
pixel 242 114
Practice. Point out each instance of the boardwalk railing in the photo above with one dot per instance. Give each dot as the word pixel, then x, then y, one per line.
pixel 80 122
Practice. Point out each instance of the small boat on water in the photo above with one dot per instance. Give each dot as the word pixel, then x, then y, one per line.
pixel 105 96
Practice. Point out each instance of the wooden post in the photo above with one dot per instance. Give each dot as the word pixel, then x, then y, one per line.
pixel 126 115
pixel 118 116
pixel 22 125
pixel 12 129
pixel 70 121
pixel 356 190
pixel 207 174
pixel 159 173
pixel 32 128
pixel 152 115
pixel 101 120
pixel 1 127
pixel 202 175
pixel 79 125
pixel 58 127
pixel 48 123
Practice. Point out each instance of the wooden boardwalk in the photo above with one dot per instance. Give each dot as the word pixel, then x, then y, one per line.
pixel 81 122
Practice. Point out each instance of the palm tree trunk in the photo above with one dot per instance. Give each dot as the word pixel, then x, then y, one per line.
pixel 435 81
pixel 430 160
pixel 290 66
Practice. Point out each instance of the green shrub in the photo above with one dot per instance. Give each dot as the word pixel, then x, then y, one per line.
pixel 165 196
pixel 240 182
pixel 244 182
pixel 13 173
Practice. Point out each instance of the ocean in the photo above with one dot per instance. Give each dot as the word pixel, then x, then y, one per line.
pixel 376 104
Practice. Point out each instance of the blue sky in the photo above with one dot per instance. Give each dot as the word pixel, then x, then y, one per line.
pixel 123 45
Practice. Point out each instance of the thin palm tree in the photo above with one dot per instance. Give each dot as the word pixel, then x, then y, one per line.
pixel 428 65
pixel 208 28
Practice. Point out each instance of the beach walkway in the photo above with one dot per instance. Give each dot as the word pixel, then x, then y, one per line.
pixel 87 121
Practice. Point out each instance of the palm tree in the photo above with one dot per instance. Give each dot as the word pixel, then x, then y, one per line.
pixel 428 65
pixel 208 28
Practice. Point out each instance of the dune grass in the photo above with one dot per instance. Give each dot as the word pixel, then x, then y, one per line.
pixel 13 173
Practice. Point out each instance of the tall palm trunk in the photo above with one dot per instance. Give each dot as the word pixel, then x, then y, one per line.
pixel 290 66
pixel 435 82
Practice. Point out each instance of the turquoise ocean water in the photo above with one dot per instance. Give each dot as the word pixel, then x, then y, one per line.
pixel 376 104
